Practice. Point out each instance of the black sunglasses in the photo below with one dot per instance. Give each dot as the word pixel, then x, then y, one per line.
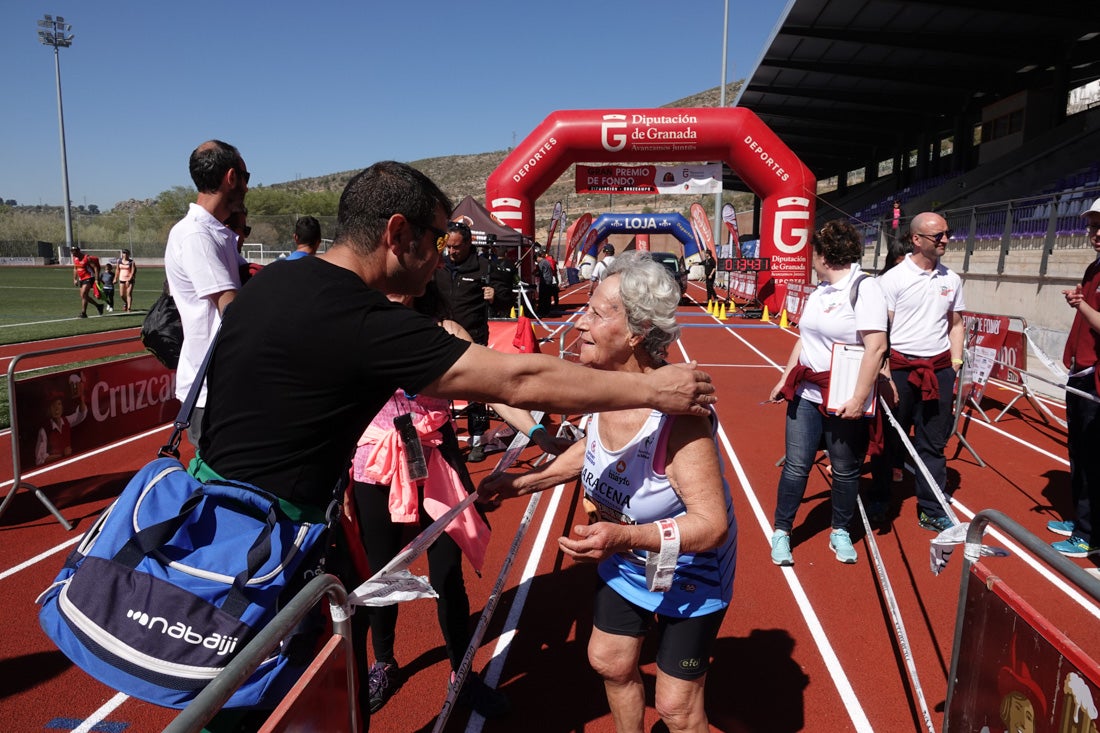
pixel 440 235
pixel 243 174
pixel 938 237
pixel 246 231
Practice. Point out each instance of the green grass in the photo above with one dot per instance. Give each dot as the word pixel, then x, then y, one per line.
pixel 39 303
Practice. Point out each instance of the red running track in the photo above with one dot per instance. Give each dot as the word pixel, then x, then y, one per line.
pixel 803 648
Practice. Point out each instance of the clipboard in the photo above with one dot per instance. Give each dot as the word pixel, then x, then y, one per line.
pixel 843 375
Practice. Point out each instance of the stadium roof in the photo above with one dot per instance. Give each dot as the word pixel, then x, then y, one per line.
pixel 846 83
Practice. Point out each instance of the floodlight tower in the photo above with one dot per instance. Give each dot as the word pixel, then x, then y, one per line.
pixel 56 32
pixel 721 103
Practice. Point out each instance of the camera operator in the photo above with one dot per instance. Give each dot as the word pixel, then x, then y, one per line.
pixel 465 295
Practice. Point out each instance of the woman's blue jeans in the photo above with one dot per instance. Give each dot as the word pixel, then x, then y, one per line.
pixel 846 442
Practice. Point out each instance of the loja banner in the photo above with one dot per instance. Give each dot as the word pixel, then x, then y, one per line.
pixel 65 413
pixel 682 179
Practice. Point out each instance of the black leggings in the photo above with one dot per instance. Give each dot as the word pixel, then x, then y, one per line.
pixel 383 539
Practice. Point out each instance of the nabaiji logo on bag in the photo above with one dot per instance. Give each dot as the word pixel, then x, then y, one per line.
pixel 221 643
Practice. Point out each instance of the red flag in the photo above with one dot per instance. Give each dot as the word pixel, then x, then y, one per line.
pixel 576 230
pixel 524 340
pixel 701 224
pixel 729 217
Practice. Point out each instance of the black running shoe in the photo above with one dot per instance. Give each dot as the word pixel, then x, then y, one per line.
pixel 382 682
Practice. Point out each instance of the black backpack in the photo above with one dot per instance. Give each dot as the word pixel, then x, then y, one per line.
pixel 162 331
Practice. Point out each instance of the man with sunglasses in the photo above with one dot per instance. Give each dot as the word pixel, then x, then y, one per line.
pixel 201 260
pixel 924 300
pixel 464 296
pixel 1082 358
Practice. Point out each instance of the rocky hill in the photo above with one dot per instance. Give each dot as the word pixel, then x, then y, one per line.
pixel 465 175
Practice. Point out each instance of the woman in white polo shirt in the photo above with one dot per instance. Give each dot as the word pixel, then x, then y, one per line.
pixel 831 316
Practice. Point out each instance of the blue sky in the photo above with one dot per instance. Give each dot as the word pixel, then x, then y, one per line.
pixel 309 88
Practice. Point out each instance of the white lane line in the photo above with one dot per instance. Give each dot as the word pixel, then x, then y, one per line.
pixel 1036 565
pixel 1010 436
pixel 88 454
pixel 805 607
pixel 40 557
pixel 100 715
pixel 523 587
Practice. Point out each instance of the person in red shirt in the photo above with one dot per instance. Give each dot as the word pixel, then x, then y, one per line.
pixel 85 275
pixel 1081 357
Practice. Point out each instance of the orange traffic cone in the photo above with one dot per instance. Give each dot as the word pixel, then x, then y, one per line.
pixel 765 318
pixel 783 319
pixel 722 313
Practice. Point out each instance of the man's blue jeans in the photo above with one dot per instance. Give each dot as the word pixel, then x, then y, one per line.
pixel 846 442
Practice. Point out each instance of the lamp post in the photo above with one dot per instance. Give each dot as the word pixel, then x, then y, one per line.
pixel 722 104
pixel 55 32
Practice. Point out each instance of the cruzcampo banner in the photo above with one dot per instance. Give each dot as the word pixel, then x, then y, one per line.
pixel 77 410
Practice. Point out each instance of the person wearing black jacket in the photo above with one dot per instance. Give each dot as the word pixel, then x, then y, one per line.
pixel 464 296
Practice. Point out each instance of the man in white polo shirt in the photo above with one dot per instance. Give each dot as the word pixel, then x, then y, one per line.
pixel 200 260
pixel 924 300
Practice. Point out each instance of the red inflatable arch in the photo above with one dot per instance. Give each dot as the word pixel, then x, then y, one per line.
pixel 734 135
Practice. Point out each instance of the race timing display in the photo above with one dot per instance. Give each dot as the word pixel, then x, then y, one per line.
pixel 744 264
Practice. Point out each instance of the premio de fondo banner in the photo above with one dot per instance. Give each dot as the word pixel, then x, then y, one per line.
pixel 652 179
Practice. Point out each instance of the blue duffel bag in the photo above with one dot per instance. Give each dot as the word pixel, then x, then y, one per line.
pixel 173 579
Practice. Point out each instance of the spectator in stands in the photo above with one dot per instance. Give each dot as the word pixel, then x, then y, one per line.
pixel 1082 358
pixel 465 295
pixel 107 286
pixel 85 274
pixel 126 277
pixel 710 273
pixel 925 300
pixel 658 489
pixel 202 263
pixel 293 383
pixel 385 501
pixel 847 308
pixel 895 219
pixel 307 238
pixel 599 270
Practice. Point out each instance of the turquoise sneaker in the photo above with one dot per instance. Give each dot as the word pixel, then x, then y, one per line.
pixel 781 548
pixel 1063 528
pixel 1073 547
pixel 841 543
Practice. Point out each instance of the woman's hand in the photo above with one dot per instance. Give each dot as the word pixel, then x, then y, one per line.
pixel 553 445
pixel 494 489
pixel 594 542
pixel 851 410
pixel 774 395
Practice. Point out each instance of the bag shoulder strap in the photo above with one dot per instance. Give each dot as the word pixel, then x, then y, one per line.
pixel 183 419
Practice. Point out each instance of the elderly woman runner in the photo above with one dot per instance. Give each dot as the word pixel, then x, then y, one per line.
pixel 828 318
pixel 654 480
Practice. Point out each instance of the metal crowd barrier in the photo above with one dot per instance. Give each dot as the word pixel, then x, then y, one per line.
pixel 13 413
pixel 208 702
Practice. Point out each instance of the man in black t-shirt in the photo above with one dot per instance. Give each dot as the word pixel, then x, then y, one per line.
pixel 293 384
